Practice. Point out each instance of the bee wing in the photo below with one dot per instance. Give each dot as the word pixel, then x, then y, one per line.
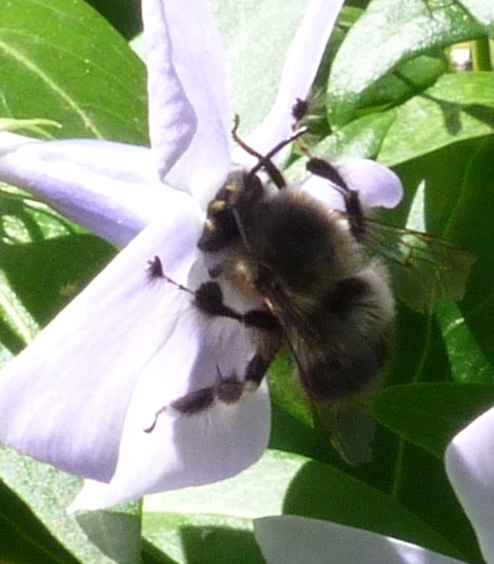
pixel 348 423
pixel 424 269
pixel 81 395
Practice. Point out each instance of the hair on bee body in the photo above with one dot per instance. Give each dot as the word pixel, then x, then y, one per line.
pixel 322 291
pixel 319 292
pixel 333 303
pixel 425 269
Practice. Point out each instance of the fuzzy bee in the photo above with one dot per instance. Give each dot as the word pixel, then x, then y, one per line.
pixel 321 291
pixel 318 291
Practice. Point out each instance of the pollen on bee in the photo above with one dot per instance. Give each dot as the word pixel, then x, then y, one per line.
pixel 209 227
pixel 217 206
pixel 240 275
pixel 231 187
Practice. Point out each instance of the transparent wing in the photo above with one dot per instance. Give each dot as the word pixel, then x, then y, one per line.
pixel 350 426
pixel 348 423
pixel 84 391
pixel 424 269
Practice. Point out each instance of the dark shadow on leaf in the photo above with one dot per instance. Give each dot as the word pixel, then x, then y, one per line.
pixel 152 555
pixel 452 113
pixel 23 536
pixel 210 545
pixel 46 275
pixel 115 534
pixel 452 110
pixel 322 492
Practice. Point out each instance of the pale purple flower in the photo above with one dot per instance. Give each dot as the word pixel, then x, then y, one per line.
pixel 289 539
pixel 82 394
pixel 470 468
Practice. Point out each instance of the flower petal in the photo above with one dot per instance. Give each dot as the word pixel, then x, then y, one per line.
pixel 109 188
pixel 301 64
pixel 199 60
pixel 64 399
pixel 289 539
pixel 186 450
pixel 172 120
pixel 469 465
pixel 377 185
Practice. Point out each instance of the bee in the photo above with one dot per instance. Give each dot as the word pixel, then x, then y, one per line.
pixel 319 294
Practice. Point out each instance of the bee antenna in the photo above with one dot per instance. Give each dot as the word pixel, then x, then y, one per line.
pixel 265 160
pixel 239 141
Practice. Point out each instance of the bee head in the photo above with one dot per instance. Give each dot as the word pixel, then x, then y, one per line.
pixel 236 198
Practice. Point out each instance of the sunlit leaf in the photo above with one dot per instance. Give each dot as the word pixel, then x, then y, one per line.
pixel 278 483
pixel 388 33
pixel 66 64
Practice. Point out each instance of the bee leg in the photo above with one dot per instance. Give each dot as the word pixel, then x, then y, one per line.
pixel 351 198
pixel 227 390
pixel 209 299
pixel 155 271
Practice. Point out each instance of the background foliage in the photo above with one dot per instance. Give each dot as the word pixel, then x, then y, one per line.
pixel 386 90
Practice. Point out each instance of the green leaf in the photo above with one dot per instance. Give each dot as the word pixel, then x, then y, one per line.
pixel 63 266
pixel 459 106
pixel 482 11
pixel 257 35
pixel 24 537
pixel 286 391
pixel 117 534
pixel 362 137
pixel 44 493
pixel 429 415
pixel 278 483
pixel 65 63
pixel 469 363
pixel 387 34
pixel 407 80
pixel 471 223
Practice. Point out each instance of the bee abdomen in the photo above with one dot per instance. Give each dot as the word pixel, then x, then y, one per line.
pixel 357 328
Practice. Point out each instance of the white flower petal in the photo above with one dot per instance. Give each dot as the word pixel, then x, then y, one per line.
pixel 470 468
pixel 299 71
pixel 199 59
pixel 111 189
pixel 64 399
pixel 186 450
pixel 378 186
pixel 172 120
pixel 289 539
pixel 322 190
